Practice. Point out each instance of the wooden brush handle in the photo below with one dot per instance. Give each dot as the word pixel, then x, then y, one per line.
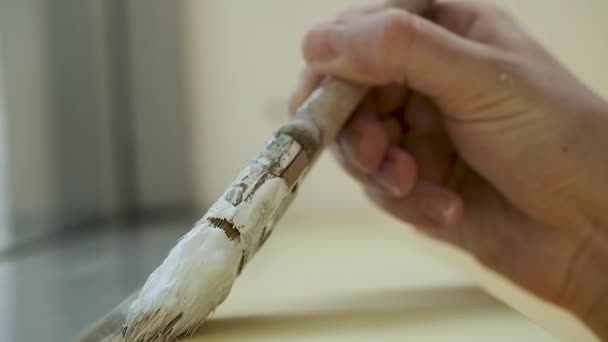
pixel 320 118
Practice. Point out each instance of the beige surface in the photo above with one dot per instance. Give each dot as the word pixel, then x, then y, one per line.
pixel 350 280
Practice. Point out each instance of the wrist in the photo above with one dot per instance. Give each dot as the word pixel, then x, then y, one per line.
pixel 588 297
pixel 585 154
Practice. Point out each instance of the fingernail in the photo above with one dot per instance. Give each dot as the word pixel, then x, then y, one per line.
pixel 348 151
pixel 438 210
pixel 328 44
pixel 382 180
pixel 385 177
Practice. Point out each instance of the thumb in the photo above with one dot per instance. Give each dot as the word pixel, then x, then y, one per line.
pixel 396 46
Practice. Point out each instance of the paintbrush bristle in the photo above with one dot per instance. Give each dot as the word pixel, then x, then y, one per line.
pixel 200 270
pixel 179 296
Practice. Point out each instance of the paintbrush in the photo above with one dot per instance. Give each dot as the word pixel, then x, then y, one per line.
pixel 200 270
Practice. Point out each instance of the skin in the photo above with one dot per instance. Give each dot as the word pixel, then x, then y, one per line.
pixel 474 134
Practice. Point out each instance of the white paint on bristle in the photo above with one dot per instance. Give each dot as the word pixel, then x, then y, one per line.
pixel 200 270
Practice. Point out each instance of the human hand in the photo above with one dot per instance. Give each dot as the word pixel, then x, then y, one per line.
pixel 478 137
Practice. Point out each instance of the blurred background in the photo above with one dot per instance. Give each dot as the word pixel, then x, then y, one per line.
pixel 121 121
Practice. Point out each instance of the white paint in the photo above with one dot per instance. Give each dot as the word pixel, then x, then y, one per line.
pixel 200 270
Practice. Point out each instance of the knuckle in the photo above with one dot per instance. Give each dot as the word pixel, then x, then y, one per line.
pixel 397 32
pixel 316 44
pixel 398 26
